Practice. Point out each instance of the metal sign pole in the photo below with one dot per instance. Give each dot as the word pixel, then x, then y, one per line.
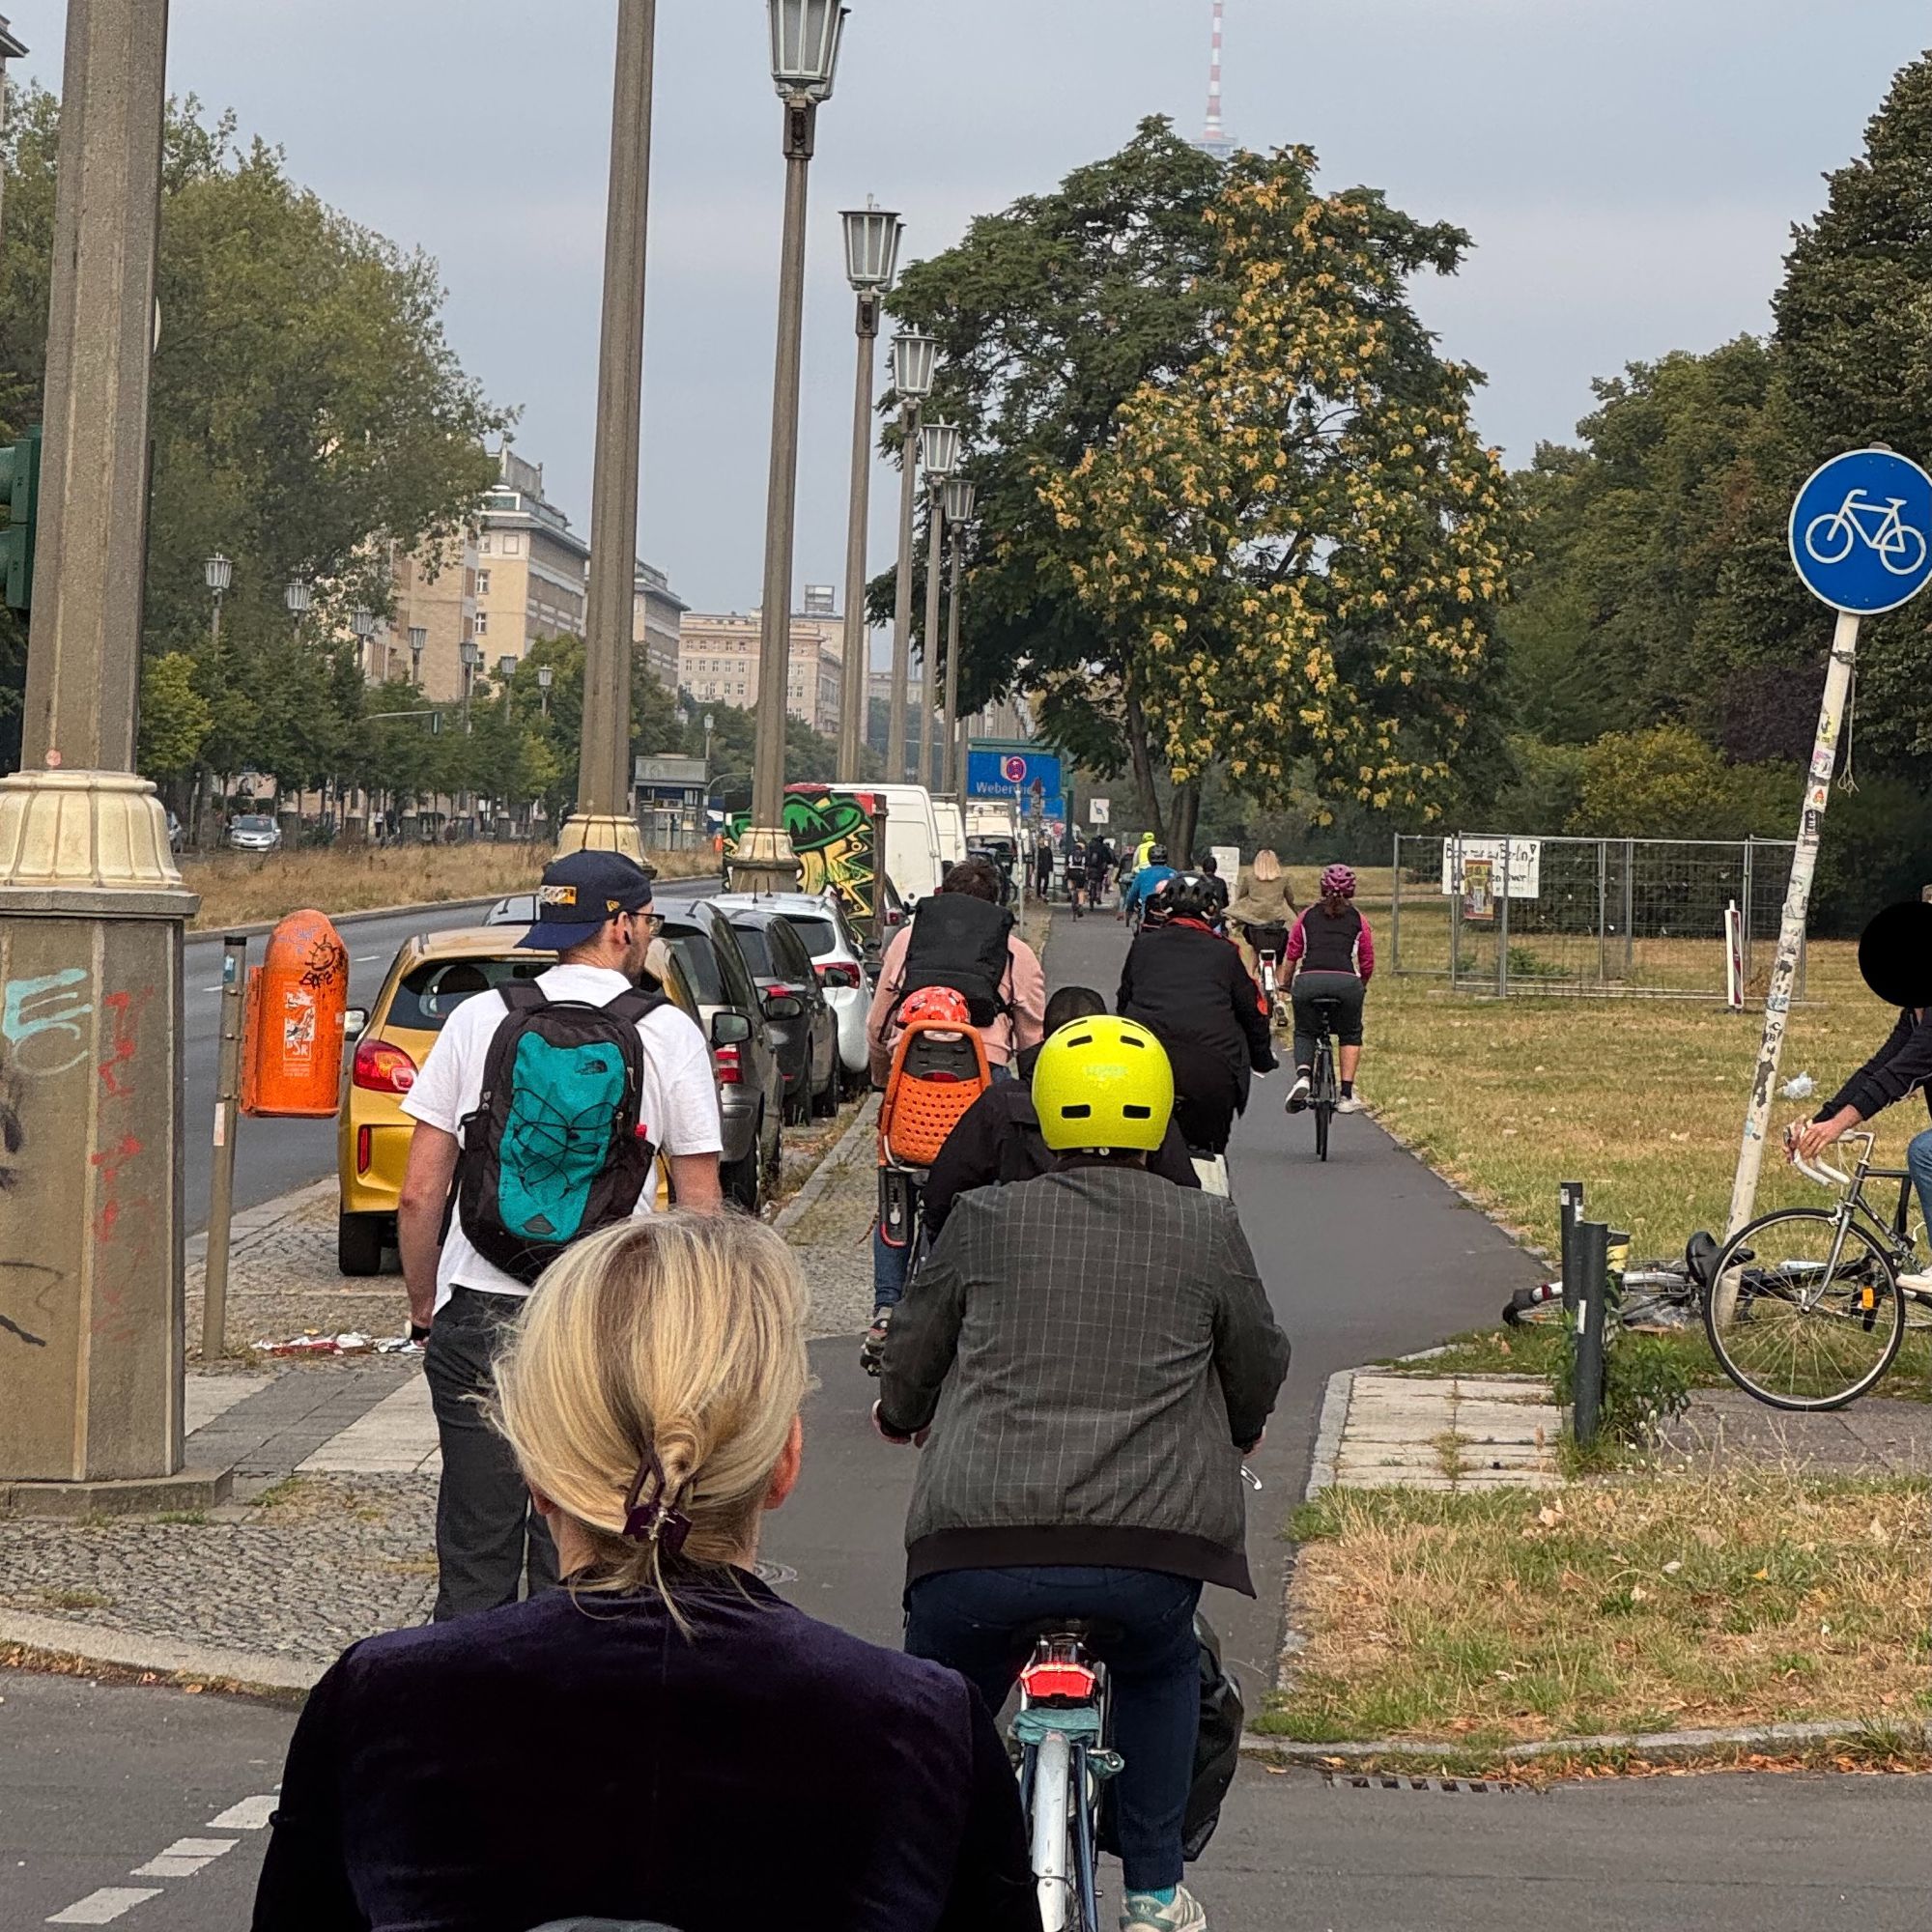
pixel 221 1177
pixel 1796 907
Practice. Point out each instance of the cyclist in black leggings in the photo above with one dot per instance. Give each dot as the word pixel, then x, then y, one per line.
pixel 1333 953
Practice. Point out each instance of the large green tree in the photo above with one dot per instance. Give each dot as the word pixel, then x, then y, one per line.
pixel 307 412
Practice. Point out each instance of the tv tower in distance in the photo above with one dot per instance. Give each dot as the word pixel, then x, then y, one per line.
pixel 1214 141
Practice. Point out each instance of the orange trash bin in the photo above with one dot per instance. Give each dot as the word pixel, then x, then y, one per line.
pixel 292 1041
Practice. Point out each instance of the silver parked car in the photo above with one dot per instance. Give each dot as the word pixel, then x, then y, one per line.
pixel 839 956
pixel 254 832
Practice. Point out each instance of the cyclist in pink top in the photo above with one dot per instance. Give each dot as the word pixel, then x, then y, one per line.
pixel 1332 953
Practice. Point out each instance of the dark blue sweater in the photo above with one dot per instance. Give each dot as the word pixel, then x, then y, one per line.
pixel 563 1757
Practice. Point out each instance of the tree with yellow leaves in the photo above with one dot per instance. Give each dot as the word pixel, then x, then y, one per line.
pixel 1292 552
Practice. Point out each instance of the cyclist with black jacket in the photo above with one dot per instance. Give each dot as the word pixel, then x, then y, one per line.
pixel 1188 985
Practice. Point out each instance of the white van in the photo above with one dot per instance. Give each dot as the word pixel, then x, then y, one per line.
pixel 952 831
pixel 915 861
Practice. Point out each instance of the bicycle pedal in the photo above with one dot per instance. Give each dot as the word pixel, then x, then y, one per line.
pixel 1105 1763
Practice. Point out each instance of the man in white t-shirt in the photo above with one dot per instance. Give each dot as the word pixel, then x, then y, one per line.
pixel 594 915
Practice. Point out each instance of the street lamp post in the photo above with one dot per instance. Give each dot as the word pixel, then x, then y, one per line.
pixel 546 677
pixel 805 62
pixel 710 724
pixel 218 573
pixel 913 360
pixel 604 818
pixel 363 624
pixel 961 499
pixel 92 906
pixel 939 452
pixel 418 637
pixel 872 239
pixel 469 655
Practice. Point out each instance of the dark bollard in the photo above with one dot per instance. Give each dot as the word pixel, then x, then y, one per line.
pixel 1591 1246
pixel 1570 1199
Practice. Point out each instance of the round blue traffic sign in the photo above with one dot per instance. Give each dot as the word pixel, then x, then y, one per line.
pixel 1861 531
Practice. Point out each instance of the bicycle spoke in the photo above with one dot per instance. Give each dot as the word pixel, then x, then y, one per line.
pixel 1813 1320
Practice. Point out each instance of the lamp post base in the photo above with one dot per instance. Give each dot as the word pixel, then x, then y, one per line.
pixel 594 832
pixel 92 910
pixel 764 861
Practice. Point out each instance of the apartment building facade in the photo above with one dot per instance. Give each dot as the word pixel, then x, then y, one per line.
pixel 717 658
pixel 657 623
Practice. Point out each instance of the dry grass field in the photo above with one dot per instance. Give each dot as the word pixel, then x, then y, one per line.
pixel 239 889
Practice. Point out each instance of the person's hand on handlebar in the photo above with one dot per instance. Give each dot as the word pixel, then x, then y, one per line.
pixel 1807 1140
pixel 916 1441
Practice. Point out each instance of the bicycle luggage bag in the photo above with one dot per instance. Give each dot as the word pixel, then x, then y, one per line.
pixel 557 1148
pixel 960 941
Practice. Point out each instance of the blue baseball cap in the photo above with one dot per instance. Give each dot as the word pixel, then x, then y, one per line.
pixel 581 892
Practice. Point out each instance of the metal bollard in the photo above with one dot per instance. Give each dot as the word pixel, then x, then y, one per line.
pixel 1592 1249
pixel 1570 1206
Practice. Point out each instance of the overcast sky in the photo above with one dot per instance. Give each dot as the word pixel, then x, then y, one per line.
pixel 1628 169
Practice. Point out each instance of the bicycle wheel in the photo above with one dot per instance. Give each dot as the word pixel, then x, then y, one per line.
pixel 1325 1097
pixel 1052 1832
pixel 1840 534
pixel 1804 1312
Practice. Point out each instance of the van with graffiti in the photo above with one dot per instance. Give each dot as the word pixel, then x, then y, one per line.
pixel 915 856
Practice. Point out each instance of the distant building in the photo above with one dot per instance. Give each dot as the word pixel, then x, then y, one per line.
pixel 657 618
pixel 718 659
pixel 821 600
pixel 435 608
pixel 531 567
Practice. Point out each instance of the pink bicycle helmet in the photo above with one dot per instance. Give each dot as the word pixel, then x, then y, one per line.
pixel 1338 882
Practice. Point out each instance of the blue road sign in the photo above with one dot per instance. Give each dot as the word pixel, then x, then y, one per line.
pixel 1861 531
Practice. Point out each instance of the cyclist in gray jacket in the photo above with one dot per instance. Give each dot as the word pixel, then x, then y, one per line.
pixel 1086 1356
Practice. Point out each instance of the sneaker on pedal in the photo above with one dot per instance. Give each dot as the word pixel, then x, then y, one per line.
pixel 1297 1095
pixel 1349 1104
pixel 1145 1913
pixel 872 1351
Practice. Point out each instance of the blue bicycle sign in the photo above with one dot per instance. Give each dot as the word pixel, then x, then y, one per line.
pixel 1861 531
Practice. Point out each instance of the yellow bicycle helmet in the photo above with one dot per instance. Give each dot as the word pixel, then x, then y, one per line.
pixel 1104 1084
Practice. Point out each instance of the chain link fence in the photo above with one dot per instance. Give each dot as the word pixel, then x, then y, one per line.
pixel 1588 916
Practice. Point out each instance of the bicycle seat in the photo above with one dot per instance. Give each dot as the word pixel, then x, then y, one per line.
pixel 604 1926
pixel 1094 1631
pixel 1699 1253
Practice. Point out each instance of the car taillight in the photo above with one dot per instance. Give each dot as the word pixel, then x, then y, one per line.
pixel 837 973
pixel 383 1068
pixel 729 1072
pixel 1058 1679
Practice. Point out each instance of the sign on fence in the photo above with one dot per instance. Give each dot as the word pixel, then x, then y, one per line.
pixel 1479 889
pixel 1100 810
pixel 1525 858
pixel 1228 864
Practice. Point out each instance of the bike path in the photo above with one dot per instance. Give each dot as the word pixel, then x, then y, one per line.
pixel 1368 1255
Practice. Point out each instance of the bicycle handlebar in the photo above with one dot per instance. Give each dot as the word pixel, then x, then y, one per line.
pixel 1824 1175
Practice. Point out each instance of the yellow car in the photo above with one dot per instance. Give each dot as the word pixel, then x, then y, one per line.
pixel 431 976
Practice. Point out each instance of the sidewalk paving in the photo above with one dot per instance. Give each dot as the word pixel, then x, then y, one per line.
pixel 1449 1432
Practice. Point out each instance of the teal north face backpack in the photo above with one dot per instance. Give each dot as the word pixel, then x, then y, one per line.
pixel 558 1147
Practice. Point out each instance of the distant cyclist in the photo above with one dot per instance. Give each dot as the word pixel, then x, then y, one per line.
pixel 1076 876
pixel 1145 883
pixel 1188 983
pixel 1099 865
pixel 1210 870
pixel 1333 954
pixel 1092 1353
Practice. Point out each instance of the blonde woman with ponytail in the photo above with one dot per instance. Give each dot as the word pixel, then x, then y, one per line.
pixel 662 1738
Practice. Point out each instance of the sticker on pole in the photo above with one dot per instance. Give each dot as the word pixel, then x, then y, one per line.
pixel 1861 531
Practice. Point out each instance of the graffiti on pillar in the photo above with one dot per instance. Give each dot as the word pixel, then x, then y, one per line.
pixel 836 841
pixel 43 1021
pixel 25 1286
pixel 123 1213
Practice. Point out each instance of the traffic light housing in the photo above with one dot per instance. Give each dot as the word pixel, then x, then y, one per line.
pixel 21 497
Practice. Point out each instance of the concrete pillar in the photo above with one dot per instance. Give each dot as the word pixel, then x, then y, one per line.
pixel 92 908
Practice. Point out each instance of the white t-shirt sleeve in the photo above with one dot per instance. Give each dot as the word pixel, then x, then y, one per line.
pixel 437 1097
pixel 691 1122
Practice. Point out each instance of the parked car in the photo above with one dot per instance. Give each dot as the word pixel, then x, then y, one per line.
pixel 844 965
pixel 751 1088
pixel 431 976
pixel 805 1034
pixel 254 832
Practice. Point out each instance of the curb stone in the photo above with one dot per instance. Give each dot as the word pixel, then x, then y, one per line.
pixel 1329 1431
pixel 122 1650
pixel 1660 1745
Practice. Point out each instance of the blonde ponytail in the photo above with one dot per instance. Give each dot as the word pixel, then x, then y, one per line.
pixel 661 1361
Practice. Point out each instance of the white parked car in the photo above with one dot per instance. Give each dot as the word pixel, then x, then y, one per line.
pixel 254 832
pixel 838 957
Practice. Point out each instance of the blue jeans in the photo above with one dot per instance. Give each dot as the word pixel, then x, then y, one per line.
pixel 977 1620
pixel 1919 1160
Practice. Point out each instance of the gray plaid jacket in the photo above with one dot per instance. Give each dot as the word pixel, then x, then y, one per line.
pixel 1088 1350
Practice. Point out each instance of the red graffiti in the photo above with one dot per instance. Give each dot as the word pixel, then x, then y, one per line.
pixel 123 1012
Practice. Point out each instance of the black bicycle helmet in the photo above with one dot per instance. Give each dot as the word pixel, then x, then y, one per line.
pixel 1186 896
pixel 1156 855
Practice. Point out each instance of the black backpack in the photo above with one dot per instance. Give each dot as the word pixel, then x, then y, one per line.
pixel 557 1148
pixel 960 941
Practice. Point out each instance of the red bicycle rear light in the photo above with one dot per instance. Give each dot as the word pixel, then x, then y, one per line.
pixel 381 1067
pixel 1058 1679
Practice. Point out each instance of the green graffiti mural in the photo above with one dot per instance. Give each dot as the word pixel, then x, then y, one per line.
pixel 836 841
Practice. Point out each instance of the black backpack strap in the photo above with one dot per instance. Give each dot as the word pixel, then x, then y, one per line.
pixel 637 1005
pixel 523 996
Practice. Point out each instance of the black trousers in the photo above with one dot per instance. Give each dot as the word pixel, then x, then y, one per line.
pixel 1207 1095
pixel 1345 993
pixel 489 1538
